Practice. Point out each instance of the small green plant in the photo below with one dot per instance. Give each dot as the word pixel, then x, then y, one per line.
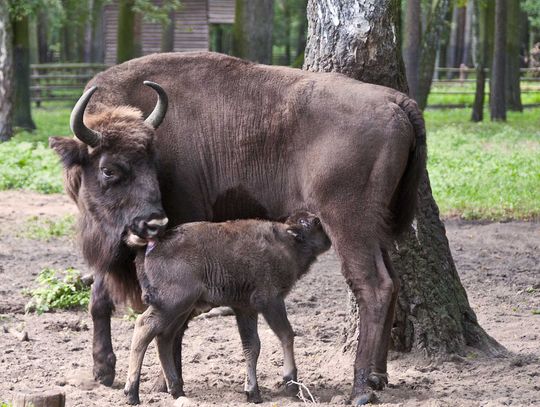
pixel 55 292
pixel 131 314
pixel 40 228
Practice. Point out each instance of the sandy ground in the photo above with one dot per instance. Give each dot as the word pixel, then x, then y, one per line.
pixel 499 264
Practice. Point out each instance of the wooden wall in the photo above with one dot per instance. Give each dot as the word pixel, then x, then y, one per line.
pixel 191 26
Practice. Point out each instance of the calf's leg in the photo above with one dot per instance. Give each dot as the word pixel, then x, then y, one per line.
pixel 101 308
pixel 148 325
pixel 276 317
pixel 247 326
pixel 160 385
pixel 169 348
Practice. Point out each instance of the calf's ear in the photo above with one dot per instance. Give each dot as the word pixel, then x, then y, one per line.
pixel 71 152
pixel 296 232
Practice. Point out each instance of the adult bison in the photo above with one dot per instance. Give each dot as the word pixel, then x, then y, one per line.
pixel 242 140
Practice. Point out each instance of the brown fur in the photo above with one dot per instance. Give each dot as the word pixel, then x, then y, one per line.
pixel 243 140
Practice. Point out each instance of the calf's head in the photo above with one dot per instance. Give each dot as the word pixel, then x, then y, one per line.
pixel 110 168
pixel 308 232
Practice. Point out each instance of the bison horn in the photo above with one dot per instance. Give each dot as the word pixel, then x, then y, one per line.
pixel 158 114
pixel 83 133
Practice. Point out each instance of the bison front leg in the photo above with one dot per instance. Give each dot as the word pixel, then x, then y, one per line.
pixel 247 326
pixel 276 317
pixel 101 308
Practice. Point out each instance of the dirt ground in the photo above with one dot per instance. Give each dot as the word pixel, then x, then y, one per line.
pixel 499 264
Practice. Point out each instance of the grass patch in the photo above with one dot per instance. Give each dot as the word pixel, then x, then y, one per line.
pixel 488 170
pixel 39 228
pixel 58 292
pixel 26 161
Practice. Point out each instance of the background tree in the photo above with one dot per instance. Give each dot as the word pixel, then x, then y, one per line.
pixel 497 98
pixel 433 311
pixel 126 37
pixel 513 59
pixel 411 44
pixel 252 31
pixel 481 32
pixel 21 68
pixel 6 61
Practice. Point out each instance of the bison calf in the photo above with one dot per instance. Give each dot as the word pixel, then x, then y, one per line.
pixel 247 265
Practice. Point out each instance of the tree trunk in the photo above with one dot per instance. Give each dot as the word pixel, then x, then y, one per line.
pixel 467 35
pixel 6 72
pixel 287 18
pixel 433 314
pixel 497 98
pixel 411 45
pixel 21 62
pixel 126 43
pixel 167 34
pixel 252 31
pixel 301 41
pixel 513 42
pixel 97 50
pixel 44 55
pixel 480 29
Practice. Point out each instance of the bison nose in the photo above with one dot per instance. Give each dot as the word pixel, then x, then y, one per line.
pixel 152 227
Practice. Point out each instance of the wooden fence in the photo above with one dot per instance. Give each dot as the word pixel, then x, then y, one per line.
pixel 52 82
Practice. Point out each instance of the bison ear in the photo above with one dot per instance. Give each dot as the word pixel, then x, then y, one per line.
pixel 296 232
pixel 71 152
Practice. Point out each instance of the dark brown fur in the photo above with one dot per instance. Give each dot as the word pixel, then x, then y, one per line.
pixel 243 140
pixel 248 265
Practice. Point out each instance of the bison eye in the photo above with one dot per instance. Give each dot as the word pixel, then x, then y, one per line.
pixel 107 173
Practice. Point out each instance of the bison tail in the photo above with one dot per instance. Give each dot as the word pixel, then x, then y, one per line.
pixel 404 201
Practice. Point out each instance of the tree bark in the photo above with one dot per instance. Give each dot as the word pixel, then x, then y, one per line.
pixel 498 95
pixel 252 31
pixel 6 72
pixel 436 28
pixel 466 58
pixel 167 34
pixel 97 50
pixel 43 37
pixel 513 42
pixel 126 43
pixel 411 45
pixel 357 38
pixel 21 63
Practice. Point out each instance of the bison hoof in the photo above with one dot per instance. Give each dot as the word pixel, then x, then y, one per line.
pixel 104 372
pixel 291 389
pixel 133 398
pixel 254 396
pixel 363 398
pixel 377 381
pixel 177 392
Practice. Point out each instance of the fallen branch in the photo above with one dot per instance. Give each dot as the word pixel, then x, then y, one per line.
pixel 301 392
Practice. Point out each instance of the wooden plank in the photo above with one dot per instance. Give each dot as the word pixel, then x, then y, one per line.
pixel 221 11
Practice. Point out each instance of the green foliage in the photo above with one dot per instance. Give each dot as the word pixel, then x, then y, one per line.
pixel 55 292
pixel 40 228
pixel 485 170
pixel 6 404
pixel 532 8
pixel 131 315
pixel 26 162
pixel 154 13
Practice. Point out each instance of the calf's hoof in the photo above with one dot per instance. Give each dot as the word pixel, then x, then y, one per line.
pixel 132 398
pixel 377 381
pixel 254 396
pixel 291 389
pixel 104 371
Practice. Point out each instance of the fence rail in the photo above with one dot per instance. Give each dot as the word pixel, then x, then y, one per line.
pixel 51 82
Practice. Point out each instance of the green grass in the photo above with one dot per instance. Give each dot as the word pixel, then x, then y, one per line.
pixel 58 292
pixel 487 170
pixel 40 228
pixel 26 161
pixel 478 170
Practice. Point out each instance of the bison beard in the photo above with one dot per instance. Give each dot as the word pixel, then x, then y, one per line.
pixel 243 139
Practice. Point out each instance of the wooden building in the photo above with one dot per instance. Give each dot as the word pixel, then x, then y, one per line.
pixel 192 26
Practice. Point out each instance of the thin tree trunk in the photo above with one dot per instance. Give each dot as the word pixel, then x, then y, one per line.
pixel 467 35
pixel 301 41
pixel 287 18
pixel 252 31
pixel 452 42
pixel 6 72
pixel 433 314
pixel 411 48
pixel 167 34
pixel 435 30
pixel 21 63
pixel 480 29
pixel 126 47
pixel 497 98
pixel 43 37
pixel 97 50
pixel 513 42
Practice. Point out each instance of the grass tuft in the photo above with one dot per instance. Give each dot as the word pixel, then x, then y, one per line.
pixel 39 228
